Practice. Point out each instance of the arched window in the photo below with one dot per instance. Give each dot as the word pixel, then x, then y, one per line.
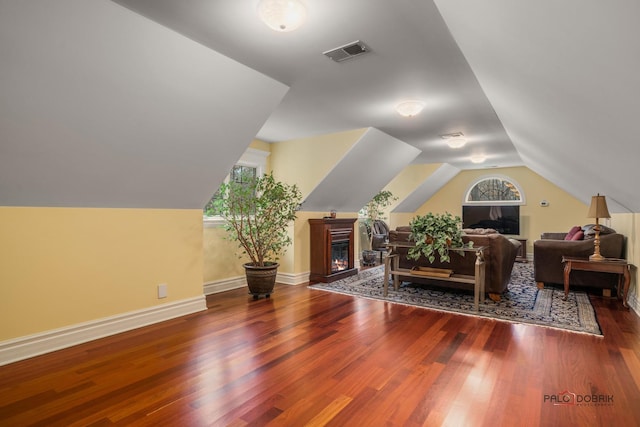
pixel 495 188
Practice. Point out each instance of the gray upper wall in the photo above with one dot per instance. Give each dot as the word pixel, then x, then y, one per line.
pixel 101 107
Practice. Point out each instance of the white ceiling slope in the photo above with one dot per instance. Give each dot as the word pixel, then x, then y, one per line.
pixel 102 107
pixel 563 78
pixel 374 160
pixel 428 188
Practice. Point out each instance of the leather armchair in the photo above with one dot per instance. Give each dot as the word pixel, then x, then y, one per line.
pixel 380 235
pixel 549 250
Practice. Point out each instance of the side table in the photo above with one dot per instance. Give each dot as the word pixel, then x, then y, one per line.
pixel 521 256
pixel 608 265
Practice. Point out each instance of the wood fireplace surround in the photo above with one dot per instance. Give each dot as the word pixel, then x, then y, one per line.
pixel 332 249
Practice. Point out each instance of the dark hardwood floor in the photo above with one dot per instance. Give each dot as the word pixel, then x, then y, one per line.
pixel 308 357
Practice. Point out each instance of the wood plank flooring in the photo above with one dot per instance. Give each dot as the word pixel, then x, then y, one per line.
pixel 308 357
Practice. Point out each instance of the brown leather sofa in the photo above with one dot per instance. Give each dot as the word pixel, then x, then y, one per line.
pixel 500 256
pixel 549 250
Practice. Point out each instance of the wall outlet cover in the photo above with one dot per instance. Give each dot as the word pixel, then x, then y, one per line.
pixel 162 291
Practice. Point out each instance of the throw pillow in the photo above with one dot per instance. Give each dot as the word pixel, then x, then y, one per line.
pixel 578 236
pixel 590 233
pixel 572 232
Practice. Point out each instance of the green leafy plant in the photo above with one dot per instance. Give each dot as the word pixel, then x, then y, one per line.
pixel 257 211
pixel 435 234
pixel 374 210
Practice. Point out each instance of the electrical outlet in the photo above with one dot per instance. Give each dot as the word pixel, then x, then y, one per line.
pixel 162 290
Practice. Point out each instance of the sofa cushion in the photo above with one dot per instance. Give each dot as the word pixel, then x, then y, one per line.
pixel 479 231
pixel 572 232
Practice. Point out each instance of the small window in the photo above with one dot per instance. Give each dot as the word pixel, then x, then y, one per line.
pixel 492 189
pixel 252 164
pixel 239 174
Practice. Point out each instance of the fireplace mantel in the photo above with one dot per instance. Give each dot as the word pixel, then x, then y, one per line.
pixel 332 249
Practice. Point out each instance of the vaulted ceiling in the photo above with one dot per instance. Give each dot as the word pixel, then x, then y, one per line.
pixel 549 84
pixel 102 106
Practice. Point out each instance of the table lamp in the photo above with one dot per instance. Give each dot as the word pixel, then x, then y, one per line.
pixel 597 210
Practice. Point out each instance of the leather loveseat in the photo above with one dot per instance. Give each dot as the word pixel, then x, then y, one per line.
pixel 499 255
pixel 549 250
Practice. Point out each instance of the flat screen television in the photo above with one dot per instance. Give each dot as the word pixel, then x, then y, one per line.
pixel 503 218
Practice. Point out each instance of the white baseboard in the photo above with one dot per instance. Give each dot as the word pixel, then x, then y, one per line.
pixel 224 285
pixel 56 339
pixel 292 278
pixel 634 303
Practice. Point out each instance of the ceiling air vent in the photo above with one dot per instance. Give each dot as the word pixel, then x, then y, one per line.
pixel 350 50
pixel 452 135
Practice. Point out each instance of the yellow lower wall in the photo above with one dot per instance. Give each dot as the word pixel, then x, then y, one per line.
pixel 220 256
pixel 63 266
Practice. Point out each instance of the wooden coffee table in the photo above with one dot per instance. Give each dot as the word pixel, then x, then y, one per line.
pixel 608 265
pixel 391 267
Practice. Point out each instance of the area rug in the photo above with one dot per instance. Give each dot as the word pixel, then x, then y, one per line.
pixel 523 302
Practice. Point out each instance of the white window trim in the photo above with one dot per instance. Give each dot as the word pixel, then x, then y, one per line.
pixel 466 202
pixel 252 158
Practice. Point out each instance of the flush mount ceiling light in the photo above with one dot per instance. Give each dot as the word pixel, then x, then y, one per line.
pixel 478 158
pixel 409 108
pixel 282 15
pixel 454 140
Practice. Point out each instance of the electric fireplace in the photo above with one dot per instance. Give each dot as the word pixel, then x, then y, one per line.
pixel 332 248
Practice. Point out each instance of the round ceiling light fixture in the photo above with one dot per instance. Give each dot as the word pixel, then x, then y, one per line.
pixel 479 158
pixel 456 142
pixel 409 108
pixel 282 15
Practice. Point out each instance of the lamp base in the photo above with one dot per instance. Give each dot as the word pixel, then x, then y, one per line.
pixel 596 257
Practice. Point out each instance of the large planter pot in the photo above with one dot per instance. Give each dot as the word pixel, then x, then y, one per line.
pixel 369 257
pixel 261 280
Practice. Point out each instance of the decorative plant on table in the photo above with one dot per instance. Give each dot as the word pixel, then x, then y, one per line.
pixel 435 234
pixel 375 210
pixel 258 211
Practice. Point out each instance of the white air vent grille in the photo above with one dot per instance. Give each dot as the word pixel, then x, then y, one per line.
pixel 348 51
pixel 452 135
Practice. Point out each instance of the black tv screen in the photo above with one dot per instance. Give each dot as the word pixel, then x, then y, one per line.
pixel 503 218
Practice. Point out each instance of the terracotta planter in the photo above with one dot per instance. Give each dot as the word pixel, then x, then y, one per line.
pixel 261 280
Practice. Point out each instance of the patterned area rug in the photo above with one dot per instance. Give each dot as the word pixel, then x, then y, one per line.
pixel 523 302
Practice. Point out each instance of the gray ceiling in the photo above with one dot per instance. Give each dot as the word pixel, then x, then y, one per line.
pixel 549 84
pixel 413 56
pixel 89 88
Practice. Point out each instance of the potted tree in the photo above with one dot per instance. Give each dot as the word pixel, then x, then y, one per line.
pixel 375 210
pixel 435 234
pixel 257 211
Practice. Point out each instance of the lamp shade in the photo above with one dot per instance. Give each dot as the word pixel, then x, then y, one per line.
pixel 282 15
pixel 598 208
